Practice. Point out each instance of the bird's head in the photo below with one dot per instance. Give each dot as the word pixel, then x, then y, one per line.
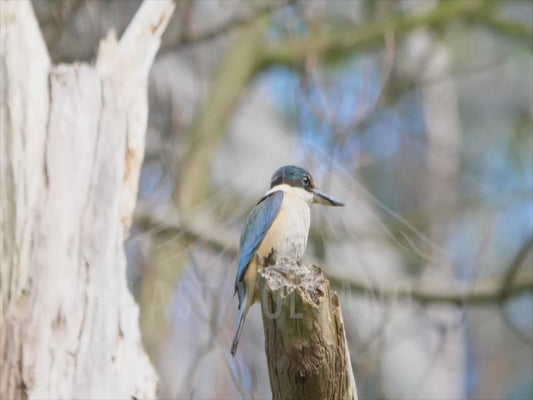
pixel 302 183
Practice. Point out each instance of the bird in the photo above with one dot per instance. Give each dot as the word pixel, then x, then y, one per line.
pixel 278 225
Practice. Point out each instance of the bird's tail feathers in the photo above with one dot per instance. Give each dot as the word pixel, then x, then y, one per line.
pixel 238 328
pixel 240 289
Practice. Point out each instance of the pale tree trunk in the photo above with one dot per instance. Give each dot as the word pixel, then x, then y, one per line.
pixel 71 151
pixel 305 342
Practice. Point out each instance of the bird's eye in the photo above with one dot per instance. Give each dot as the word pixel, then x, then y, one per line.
pixel 306 181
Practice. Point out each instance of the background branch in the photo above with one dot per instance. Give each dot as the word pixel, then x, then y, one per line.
pixel 488 17
pixel 185 38
pixel 481 293
pixel 324 43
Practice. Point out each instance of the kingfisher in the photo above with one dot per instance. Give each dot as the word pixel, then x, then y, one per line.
pixel 277 226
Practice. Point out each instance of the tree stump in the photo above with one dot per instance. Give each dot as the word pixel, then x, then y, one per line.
pixel 305 342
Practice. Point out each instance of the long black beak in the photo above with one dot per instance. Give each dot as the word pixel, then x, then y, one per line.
pixel 325 199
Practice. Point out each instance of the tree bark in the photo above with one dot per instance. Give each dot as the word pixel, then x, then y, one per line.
pixel 72 146
pixel 305 342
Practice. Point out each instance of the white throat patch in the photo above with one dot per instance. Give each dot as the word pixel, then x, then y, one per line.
pixel 296 191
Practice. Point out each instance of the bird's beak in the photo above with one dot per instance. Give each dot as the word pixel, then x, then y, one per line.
pixel 324 199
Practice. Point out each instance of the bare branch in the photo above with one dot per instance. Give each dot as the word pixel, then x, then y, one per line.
pixel 294 52
pixel 482 293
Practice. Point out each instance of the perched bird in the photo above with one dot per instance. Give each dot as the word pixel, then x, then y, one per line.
pixel 278 225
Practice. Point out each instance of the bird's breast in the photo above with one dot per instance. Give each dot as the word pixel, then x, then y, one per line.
pixel 289 231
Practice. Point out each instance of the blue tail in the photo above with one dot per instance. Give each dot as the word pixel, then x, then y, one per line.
pixel 240 323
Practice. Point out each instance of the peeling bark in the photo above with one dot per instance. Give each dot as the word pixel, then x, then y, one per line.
pixel 72 146
pixel 306 347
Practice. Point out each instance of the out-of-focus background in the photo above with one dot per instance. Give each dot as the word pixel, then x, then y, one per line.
pixel 417 114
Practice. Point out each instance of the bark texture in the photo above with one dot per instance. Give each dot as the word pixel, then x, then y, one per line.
pixel 306 347
pixel 72 147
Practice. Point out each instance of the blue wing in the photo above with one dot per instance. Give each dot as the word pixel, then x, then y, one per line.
pixel 255 229
pixel 253 233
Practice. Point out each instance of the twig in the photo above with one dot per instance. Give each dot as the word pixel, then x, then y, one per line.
pixel 506 288
pixel 507 285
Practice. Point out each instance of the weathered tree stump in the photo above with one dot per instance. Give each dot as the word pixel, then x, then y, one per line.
pixel 305 342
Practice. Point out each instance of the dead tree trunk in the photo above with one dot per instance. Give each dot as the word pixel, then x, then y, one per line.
pixel 306 347
pixel 72 145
